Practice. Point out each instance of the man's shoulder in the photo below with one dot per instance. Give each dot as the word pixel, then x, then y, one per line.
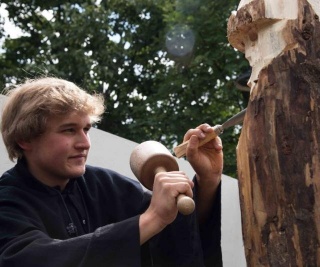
pixel 101 172
pixel 9 177
pixel 102 181
pixel 104 175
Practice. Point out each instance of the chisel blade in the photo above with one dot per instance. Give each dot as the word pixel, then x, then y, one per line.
pixel 234 120
pixel 180 150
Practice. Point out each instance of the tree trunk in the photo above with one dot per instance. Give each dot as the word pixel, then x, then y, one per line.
pixel 278 153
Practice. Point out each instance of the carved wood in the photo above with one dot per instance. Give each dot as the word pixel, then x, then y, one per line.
pixel 278 153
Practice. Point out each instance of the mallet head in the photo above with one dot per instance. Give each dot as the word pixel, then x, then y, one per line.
pixel 147 158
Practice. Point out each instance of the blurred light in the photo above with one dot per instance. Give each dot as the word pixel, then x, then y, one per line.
pixel 180 40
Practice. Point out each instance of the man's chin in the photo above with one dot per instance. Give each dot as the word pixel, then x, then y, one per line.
pixel 77 172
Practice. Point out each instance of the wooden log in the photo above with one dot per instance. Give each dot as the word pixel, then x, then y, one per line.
pixel 278 153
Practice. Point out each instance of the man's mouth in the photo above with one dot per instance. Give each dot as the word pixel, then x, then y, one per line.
pixel 80 156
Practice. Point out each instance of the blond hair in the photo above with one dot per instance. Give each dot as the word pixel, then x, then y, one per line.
pixel 30 104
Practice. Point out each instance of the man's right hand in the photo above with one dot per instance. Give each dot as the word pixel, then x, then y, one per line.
pixel 163 206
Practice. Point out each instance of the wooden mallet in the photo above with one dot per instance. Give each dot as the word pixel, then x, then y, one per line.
pixel 151 157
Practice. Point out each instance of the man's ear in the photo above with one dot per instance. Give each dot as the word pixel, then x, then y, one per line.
pixel 25 145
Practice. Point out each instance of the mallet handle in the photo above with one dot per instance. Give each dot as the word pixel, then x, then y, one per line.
pixel 185 204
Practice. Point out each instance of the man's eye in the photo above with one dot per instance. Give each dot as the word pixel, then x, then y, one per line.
pixel 70 130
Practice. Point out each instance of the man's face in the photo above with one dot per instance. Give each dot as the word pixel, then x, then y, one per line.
pixel 61 152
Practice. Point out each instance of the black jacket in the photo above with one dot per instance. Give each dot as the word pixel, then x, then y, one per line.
pixel 94 222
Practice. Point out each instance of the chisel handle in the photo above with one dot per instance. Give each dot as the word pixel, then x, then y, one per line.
pixel 180 150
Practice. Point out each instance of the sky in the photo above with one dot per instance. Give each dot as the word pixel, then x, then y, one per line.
pixel 9 26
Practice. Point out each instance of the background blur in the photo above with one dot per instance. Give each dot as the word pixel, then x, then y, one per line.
pixel 163 66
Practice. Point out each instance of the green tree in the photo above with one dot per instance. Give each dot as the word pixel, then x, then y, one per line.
pixel 163 67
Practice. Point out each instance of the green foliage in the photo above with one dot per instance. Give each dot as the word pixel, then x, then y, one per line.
pixel 163 66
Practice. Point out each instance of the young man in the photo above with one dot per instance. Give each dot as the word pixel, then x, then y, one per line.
pixel 57 211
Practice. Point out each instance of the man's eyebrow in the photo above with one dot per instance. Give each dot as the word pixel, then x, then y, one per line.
pixel 68 124
pixel 73 124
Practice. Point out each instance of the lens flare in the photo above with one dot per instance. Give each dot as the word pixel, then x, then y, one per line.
pixel 180 40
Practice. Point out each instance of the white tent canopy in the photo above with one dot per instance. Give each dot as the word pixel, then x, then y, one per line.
pixel 113 152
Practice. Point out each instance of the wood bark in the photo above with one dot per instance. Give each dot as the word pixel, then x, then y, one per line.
pixel 278 153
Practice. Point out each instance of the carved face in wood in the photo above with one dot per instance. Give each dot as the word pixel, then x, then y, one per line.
pixel 257 29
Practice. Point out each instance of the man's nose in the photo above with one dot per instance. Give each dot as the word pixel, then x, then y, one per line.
pixel 83 140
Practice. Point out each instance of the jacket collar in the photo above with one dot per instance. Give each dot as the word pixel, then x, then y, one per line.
pixel 22 173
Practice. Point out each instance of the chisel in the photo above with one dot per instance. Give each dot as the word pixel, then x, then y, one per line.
pixel 180 150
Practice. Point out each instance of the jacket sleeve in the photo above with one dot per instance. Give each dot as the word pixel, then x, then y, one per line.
pixel 210 235
pixel 184 244
pixel 111 245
